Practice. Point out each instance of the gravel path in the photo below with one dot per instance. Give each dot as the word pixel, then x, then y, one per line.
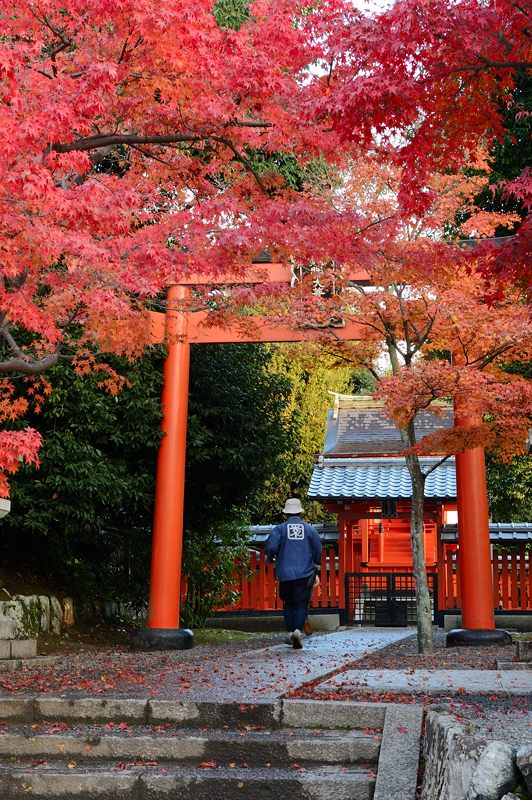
pixel 404 655
pixel 504 718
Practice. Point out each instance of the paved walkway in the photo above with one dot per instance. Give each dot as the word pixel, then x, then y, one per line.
pixel 243 675
pixel 328 652
pixel 427 681
pixel 270 672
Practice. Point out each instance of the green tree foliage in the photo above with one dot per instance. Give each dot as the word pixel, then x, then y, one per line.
pixel 230 13
pixel 513 154
pixel 212 558
pixel 84 517
pixel 510 485
pixel 312 375
pixel 510 490
pixel 238 429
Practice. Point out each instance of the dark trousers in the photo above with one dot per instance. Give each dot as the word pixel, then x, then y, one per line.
pixel 296 598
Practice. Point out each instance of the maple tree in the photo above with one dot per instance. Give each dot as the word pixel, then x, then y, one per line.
pixel 432 79
pixel 422 326
pixel 422 84
pixel 139 143
pixel 125 131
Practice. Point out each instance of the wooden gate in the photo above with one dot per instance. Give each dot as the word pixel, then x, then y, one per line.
pixel 386 599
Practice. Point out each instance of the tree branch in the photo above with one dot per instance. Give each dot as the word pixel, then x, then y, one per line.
pixel 487 64
pixel 29 367
pixel 488 358
pixel 242 158
pixel 438 464
pixel 114 139
pixel 404 318
pixel 43 72
pixel 22 363
pixel 125 52
pixel 147 154
pixel 248 123
pixel 424 335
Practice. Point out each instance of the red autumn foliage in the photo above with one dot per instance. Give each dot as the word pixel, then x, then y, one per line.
pixel 128 130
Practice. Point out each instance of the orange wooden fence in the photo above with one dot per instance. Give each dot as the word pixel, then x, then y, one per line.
pixel 511 570
pixel 512 579
pixel 260 593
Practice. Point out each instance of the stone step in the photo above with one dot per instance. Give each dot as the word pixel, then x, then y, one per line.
pixel 61 747
pixel 256 747
pixel 162 781
pixel 17 648
pixel 285 713
pixel 14 664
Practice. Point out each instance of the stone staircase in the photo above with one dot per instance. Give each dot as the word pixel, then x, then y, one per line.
pixel 150 749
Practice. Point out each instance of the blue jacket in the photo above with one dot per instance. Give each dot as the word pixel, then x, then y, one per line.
pixel 297 546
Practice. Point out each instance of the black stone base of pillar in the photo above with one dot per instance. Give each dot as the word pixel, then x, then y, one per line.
pixel 162 639
pixel 469 637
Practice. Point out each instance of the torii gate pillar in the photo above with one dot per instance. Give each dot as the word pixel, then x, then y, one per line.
pixel 476 587
pixel 163 631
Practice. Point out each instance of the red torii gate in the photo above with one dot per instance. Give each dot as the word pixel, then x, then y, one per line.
pixel 181 329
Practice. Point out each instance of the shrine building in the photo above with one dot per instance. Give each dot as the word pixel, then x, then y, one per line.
pixel 362 479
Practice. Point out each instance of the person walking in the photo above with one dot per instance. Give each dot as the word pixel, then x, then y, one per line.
pixel 295 547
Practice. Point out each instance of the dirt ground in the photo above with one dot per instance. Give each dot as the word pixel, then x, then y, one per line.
pixel 85 638
pixel 103 635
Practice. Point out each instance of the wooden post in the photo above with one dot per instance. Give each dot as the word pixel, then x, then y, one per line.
pixel 440 561
pixel 342 528
pixel 163 621
pixel 476 590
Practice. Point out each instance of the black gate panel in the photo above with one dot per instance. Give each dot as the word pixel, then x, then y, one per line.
pixel 386 599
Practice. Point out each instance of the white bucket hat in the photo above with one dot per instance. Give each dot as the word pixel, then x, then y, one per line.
pixel 293 506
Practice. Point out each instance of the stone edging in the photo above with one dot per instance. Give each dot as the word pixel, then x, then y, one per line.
pixel 399 756
pixel 462 766
pixel 14 664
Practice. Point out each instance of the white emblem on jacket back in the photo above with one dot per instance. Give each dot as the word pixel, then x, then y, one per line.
pixel 295 531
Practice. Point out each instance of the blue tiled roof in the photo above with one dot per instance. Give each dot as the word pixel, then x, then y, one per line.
pixel 366 478
pixel 499 532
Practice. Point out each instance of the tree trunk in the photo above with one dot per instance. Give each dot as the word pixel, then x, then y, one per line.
pixel 425 641
pixel 423 607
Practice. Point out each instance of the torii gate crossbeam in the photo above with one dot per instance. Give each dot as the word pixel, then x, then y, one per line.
pixel 181 329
